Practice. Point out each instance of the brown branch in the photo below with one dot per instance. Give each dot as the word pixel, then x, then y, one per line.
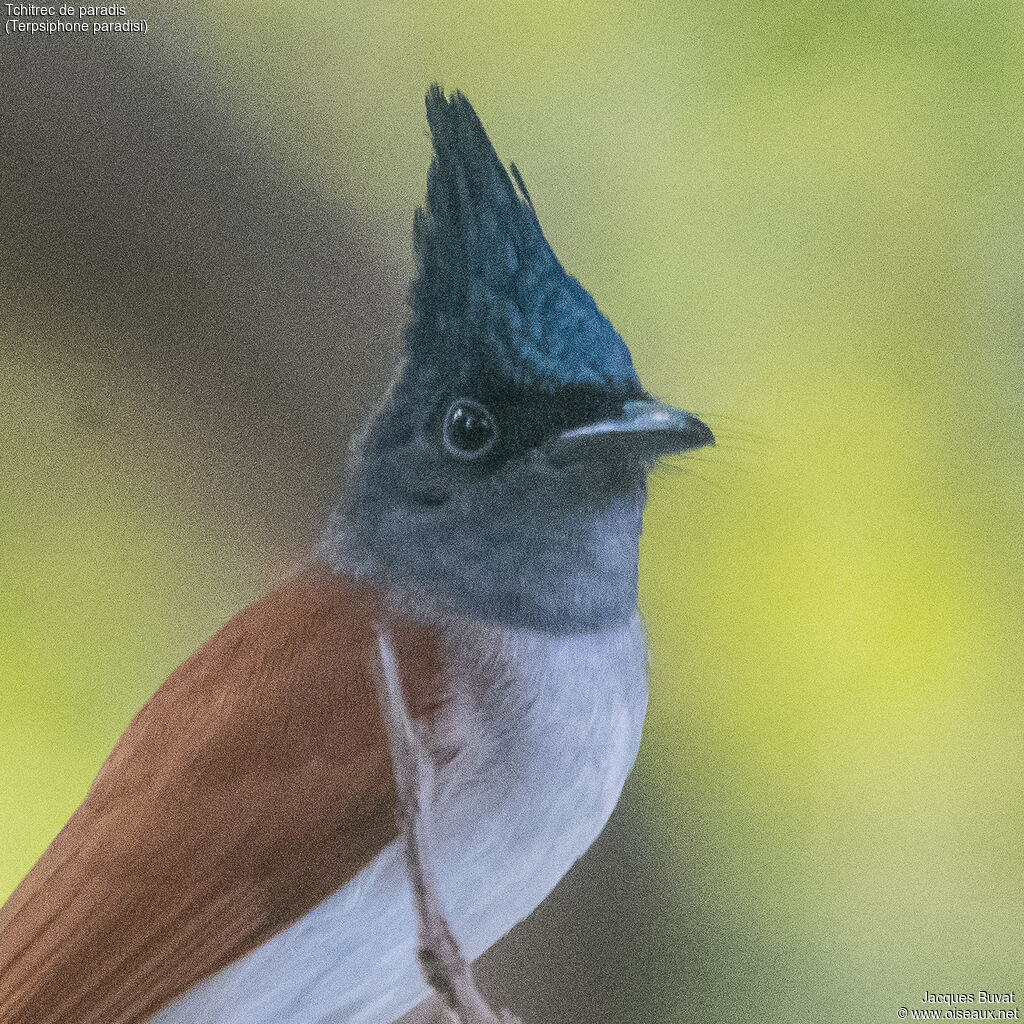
pixel 447 971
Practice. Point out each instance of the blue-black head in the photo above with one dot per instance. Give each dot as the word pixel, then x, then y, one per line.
pixel 505 472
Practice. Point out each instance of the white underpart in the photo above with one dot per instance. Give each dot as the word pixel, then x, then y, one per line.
pixel 547 728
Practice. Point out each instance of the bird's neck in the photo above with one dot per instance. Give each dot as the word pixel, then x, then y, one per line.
pixel 553 562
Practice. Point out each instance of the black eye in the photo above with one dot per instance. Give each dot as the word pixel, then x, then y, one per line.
pixel 469 430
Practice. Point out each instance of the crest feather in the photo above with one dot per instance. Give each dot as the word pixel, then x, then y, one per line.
pixel 490 296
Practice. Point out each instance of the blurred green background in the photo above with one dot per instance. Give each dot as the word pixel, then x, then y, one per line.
pixel 805 219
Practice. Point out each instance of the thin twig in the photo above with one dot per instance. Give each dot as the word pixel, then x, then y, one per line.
pixel 447 971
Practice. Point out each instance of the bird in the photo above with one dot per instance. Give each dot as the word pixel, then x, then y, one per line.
pixel 238 857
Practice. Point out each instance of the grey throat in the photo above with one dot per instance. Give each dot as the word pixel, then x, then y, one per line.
pixel 533 542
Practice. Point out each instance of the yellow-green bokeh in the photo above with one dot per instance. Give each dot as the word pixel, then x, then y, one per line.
pixel 109 581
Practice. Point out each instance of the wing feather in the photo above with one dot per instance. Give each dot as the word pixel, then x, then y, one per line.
pixel 253 784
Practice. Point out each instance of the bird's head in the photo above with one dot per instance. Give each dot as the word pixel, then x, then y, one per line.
pixel 505 473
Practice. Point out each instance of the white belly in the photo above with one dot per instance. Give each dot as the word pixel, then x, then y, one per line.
pixel 551 727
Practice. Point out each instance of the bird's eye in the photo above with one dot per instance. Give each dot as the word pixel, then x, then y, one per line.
pixel 469 430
